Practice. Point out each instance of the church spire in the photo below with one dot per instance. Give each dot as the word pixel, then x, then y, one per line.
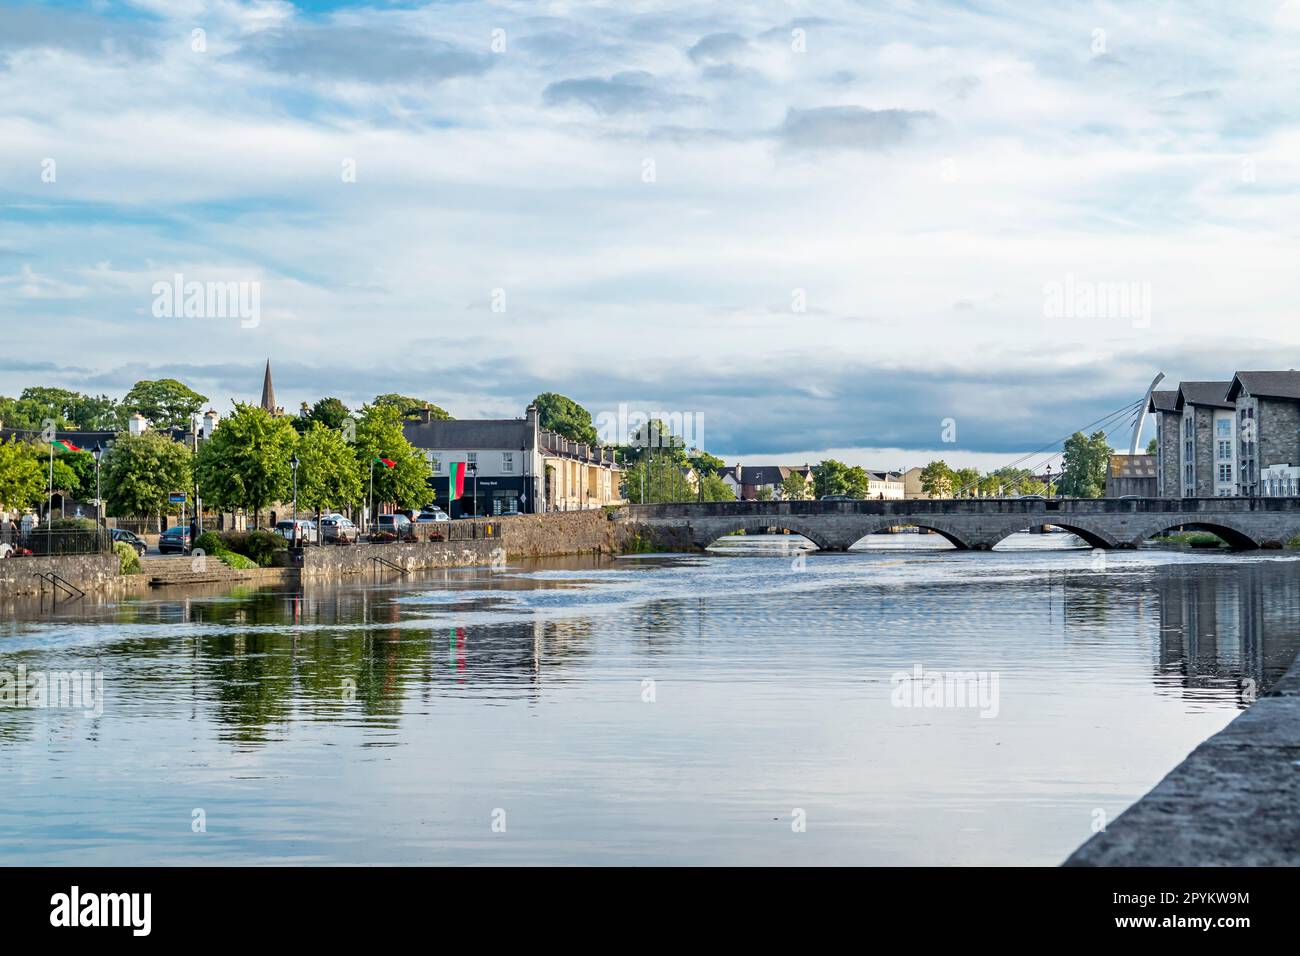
pixel 268 392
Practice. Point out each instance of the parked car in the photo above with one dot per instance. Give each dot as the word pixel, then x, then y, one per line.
pixel 838 498
pixel 6 550
pixel 336 529
pixel 435 514
pixel 307 533
pixel 394 524
pixel 129 537
pixel 174 539
pixel 1032 498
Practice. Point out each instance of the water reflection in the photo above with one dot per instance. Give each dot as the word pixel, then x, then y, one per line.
pixel 773 686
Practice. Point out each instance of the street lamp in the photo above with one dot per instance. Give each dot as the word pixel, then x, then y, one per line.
pixel 293 465
pixel 97 453
pixel 1049 481
pixel 473 474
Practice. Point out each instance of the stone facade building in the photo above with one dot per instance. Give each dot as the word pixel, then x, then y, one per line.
pixel 1207 446
pixel 1268 427
pixel 1164 406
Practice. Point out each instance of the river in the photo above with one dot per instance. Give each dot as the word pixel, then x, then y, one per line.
pixel 751 706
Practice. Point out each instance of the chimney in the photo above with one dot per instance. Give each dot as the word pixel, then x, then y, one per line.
pixel 210 419
pixel 428 412
pixel 138 424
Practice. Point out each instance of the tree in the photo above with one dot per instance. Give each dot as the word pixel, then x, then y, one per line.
pixel 22 480
pixel 245 464
pixel 411 409
pixel 794 487
pixel 330 412
pixel 1083 466
pixel 328 475
pixel 1151 447
pixel 564 416
pixel 140 471
pixel 965 482
pixel 379 435
pixel 166 402
pixel 713 488
pixel 74 473
pixel 937 479
pixel 832 477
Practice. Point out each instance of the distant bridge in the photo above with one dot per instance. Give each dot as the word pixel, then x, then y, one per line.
pixel 973 523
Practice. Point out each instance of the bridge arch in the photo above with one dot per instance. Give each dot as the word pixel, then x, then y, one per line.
pixel 1236 536
pixel 704 535
pixel 861 532
pixel 1092 537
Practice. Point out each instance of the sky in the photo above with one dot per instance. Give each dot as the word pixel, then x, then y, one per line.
pixel 895 230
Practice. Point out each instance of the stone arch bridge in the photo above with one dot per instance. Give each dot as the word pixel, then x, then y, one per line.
pixel 971 523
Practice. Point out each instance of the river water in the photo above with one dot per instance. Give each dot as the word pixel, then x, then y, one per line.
pixel 751 706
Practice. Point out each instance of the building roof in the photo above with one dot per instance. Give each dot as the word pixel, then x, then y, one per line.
pixel 1133 466
pixel 763 474
pixel 1165 400
pixel 1266 384
pixel 469 434
pixel 1213 394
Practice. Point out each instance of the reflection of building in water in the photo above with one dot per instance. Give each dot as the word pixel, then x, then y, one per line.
pixel 1228 624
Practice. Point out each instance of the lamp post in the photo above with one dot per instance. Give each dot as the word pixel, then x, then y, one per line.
pixel 473 474
pixel 97 453
pixel 1049 480
pixel 293 465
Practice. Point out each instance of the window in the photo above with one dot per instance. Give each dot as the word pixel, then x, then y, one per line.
pixel 1225 450
pixel 1225 473
pixel 437 464
pixel 507 462
pixel 471 458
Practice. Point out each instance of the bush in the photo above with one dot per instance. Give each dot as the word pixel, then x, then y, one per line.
pixel 129 561
pixel 209 542
pixel 233 560
pixel 262 546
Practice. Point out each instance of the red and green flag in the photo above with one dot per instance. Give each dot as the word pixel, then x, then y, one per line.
pixel 62 445
pixel 455 479
pixel 386 462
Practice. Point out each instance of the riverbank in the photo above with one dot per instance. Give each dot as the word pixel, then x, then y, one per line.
pixel 1232 802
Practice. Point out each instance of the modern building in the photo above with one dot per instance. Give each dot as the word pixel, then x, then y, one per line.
pixel 1268 431
pixel 1207 464
pixel 912 483
pixel 514 466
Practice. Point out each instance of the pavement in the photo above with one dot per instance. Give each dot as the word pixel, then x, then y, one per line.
pixel 1235 801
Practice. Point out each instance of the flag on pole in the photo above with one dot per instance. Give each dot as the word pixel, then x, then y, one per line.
pixel 64 445
pixel 455 480
pixel 386 462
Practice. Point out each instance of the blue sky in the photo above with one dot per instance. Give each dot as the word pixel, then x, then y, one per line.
pixel 821 226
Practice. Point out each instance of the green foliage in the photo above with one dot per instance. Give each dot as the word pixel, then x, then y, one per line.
pixel 262 546
pixel 379 435
pixel 965 482
pixel 763 494
pixel 128 560
pixel 715 489
pixel 232 559
pixel 74 472
pixel 139 472
pixel 245 464
pixel 330 412
pixel 795 488
pixel 1151 447
pixel 328 476
pixel 938 480
pixel 564 416
pixel 410 409
pixel 209 542
pixel 1084 466
pixel 22 480
pixel 832 477
pixel 166 402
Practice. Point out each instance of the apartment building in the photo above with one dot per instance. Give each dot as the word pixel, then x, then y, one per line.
pixel 1268 431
